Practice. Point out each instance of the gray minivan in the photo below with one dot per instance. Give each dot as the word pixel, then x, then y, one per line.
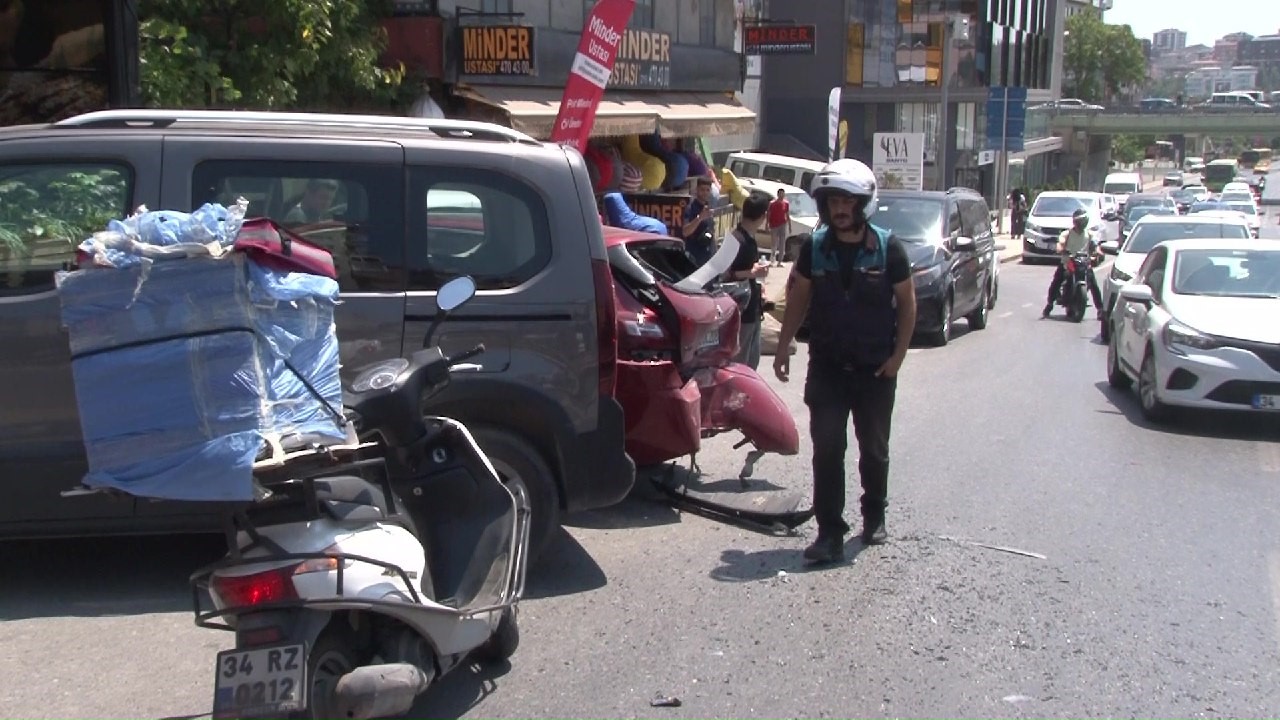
pixel 404 205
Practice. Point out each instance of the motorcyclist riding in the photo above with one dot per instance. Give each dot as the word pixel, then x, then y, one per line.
pixel 1076 240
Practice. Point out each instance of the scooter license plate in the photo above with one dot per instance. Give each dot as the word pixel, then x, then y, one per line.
pixel 262 682
pixel 1266 402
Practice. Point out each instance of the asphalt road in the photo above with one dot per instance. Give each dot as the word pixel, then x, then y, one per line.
pixel 1158 593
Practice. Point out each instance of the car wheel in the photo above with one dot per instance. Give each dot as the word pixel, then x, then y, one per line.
pixel 525 472
pixel 1149 390
pixel 942 335
pixel 978 318
pixel 1115 374
pixel 995 292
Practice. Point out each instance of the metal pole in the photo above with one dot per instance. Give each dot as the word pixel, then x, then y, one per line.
pixel 944 180
pixel 1004 160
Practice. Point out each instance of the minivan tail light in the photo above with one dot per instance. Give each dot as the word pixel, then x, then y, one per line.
pixel 606 326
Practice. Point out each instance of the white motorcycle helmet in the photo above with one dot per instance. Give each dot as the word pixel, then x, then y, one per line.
pixel 848 176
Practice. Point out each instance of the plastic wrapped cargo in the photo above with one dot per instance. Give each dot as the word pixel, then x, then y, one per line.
pixel 184 367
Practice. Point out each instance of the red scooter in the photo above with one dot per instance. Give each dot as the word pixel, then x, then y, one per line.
pixel 677 382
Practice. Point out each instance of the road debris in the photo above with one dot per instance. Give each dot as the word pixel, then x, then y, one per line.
pixel 665 701
pixel 1001 548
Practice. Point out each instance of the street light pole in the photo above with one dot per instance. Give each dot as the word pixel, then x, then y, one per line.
pixel 944 178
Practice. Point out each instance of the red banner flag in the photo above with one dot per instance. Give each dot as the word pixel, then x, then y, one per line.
pixel 592 66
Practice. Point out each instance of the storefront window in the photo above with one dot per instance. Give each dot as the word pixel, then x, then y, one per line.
pixel 966 126
pixel 855 46
pixel 707 23
pixel 920 118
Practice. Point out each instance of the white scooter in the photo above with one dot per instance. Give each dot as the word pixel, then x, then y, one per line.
pixel 349 595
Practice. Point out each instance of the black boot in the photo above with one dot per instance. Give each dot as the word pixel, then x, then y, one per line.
pixel 873 532
pixel 825 549
pixel 1047 309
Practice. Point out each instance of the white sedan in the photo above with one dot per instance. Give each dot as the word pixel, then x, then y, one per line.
pixel 1198 328
pixel 1251 216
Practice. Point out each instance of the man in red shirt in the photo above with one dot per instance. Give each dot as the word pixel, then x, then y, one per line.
pixel 779 225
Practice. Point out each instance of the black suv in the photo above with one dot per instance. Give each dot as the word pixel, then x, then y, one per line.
pixel 953 255
pixel 404 205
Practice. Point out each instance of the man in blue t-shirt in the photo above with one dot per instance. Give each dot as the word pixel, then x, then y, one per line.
pixel 699 226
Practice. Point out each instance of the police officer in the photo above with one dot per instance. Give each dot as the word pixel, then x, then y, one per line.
pixel 853 279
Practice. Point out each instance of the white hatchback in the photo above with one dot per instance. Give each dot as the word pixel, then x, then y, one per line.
pixel 1152 230
pixel 1197 328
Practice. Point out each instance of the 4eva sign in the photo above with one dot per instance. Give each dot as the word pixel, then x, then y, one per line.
pixel 898 160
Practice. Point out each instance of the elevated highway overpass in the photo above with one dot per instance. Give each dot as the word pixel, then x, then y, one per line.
pixel 1185 122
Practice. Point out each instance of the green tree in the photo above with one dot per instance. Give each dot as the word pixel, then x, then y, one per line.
pixel 1130 148
pixel 282 54
pixel 1101 60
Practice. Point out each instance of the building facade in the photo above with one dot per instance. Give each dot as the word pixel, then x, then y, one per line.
pixel 1170 40
pixel 889 60
pixel 1264 54
pixel 1204 82
pixel 679 70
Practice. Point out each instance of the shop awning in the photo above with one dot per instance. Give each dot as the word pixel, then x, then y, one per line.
pixel 533 110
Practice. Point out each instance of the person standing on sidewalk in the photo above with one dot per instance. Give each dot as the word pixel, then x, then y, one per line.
pixel 747 266
pixel 853 279
pixel 779 225
pixel 699 226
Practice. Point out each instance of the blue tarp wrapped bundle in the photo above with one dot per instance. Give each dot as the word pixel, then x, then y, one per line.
pixel 186 360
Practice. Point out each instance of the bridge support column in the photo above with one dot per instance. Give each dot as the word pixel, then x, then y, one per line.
pixel 1096 163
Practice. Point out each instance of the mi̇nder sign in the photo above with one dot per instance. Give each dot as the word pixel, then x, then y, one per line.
pixel 497 50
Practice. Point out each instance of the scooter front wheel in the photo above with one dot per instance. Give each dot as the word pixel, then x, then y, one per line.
pixel 504 641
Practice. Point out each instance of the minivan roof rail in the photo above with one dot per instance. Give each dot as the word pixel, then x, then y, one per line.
pixel 123 118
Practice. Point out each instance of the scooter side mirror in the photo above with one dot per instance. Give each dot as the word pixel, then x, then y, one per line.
pixel 451 296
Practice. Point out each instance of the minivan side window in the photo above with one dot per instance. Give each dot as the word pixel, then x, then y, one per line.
pixel 47 210
pixel 465 221
pixel 954 227
pixel 353 210
pixel 977 219
pixel 806 181
pixel 779 174
pixel 745 169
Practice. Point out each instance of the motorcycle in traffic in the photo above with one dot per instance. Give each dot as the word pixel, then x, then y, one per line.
pixel 1074 295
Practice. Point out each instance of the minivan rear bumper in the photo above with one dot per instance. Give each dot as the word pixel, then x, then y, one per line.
pixel 597 470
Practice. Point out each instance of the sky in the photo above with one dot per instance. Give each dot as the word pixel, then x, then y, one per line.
pixel 1204 20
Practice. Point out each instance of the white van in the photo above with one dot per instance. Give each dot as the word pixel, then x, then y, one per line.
pixel 1122 185
pixel 778 168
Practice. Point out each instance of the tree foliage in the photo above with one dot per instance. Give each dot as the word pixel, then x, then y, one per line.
pixel 1130 148
pixel 281 54
pixel 1101 60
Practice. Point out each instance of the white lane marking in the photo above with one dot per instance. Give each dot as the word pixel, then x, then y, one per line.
pixel 1027 304
pixel 1269 457
pixel 1005 314
pixel 913 351
pixel 1274 568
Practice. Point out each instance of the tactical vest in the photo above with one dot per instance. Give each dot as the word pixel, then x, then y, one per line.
pixel 853 325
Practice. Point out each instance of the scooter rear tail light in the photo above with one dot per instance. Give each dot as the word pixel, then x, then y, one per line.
pixel 260 588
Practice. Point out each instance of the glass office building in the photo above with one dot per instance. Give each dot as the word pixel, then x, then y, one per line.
pixel 891 66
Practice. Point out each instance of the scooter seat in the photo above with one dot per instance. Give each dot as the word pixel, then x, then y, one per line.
pixel 348 497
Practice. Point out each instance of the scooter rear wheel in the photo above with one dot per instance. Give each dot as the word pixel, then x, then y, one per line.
pixel 334 654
